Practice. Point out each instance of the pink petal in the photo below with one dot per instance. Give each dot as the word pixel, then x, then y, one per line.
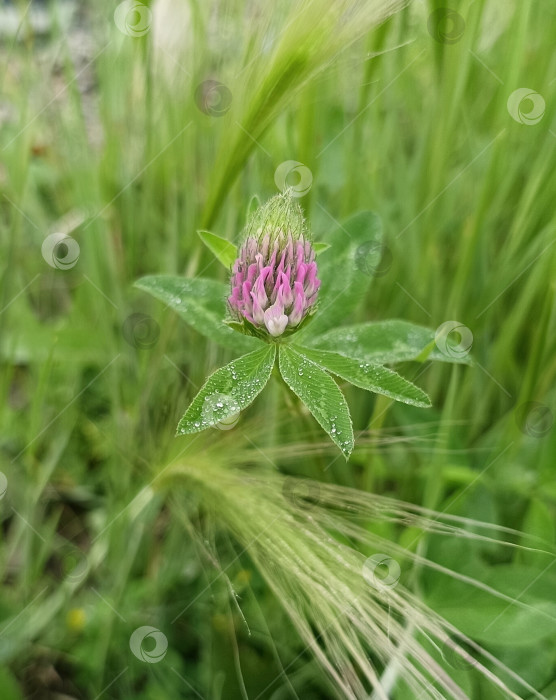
pixel 265 246
pixel 285 291
pixel 301 272
pixel 275 320
pixel 246 297
pixel 312 283
pixel 258 292
pixel 258 313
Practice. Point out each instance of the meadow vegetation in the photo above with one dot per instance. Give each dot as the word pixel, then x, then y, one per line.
pixel 253 552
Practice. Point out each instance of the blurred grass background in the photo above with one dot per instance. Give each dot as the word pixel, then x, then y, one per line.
pixel 106 136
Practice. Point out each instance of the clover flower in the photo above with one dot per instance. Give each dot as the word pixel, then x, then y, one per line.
pixel 274 284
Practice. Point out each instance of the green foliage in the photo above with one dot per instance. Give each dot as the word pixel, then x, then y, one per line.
pixel 320 394
pixel 222 249
pixel 320 247
pixel 507 620
pixel 371 377
pixel 228 391
pixel 383 342
pixel 201 302
pixel 343 286
pixel 210 538
pixel 237 384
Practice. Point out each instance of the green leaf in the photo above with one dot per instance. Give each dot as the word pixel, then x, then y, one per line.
pixel 383 342
pixel 343 285
pixel 526 621
pixel 9 687
pixel 228 391
pixel 320 247
pixel 201 303
pixel 538 522
pixel 221 248
pixel 320 393
pixel 369 376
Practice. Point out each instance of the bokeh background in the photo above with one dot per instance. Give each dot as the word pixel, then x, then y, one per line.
pixel 125 129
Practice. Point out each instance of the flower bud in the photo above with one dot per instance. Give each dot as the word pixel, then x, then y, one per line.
pixel 274 284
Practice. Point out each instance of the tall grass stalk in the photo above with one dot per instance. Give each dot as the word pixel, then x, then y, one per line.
pixel 309 552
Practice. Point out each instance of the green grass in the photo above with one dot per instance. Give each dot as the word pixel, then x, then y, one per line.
pixel 109 522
